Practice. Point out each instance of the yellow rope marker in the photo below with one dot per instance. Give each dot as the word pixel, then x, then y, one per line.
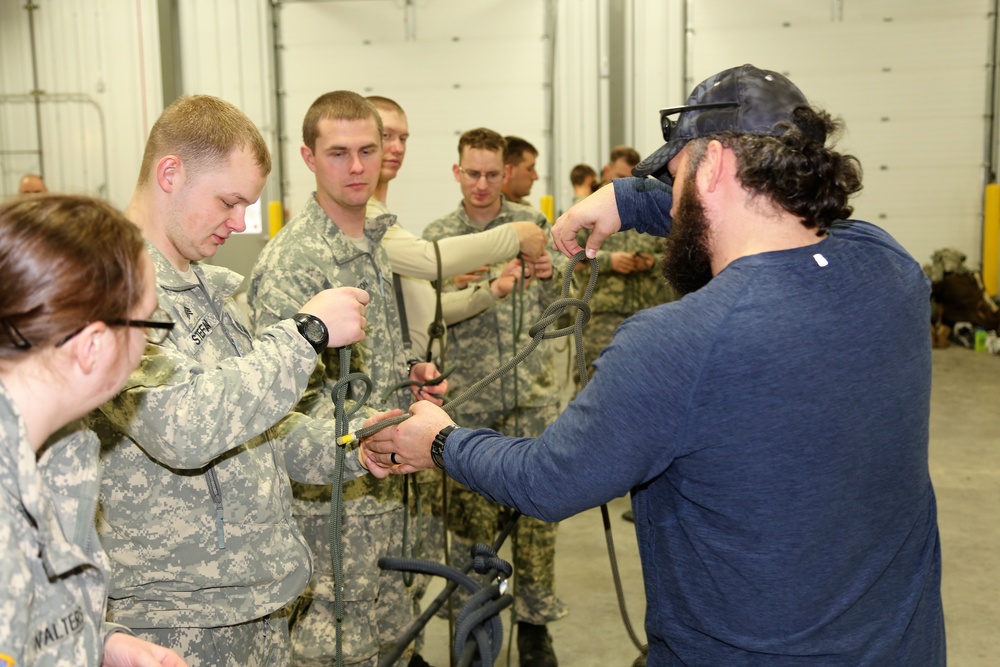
pixel 991 239
pixel 346 439
pixel 275 218
pixel 548 205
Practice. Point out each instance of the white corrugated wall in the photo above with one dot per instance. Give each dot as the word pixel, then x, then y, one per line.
pixel 910 77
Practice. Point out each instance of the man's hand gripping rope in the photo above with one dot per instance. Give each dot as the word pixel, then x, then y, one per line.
pixel 537 332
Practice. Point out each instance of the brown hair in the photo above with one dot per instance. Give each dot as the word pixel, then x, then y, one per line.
pixel 385 104
pixel 580 173
pixel 483 139
pixel 630 154
pixel 515 150
pixel 202 131
pixel 64 261
pixel 338 105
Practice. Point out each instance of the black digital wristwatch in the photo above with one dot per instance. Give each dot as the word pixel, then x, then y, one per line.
pixel 313 330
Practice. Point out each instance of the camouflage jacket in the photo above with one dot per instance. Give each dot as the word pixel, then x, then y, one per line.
pixel 479 345
pixel 408 257
pixel 195 501
pixel 54 571
pixel 626 294
pixel 311 254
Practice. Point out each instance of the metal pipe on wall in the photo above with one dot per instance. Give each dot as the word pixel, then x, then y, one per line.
pixel 551 22
pixel 279 107
pixel 31 8
pixel 604 75
pixel 990 233
pixel 991 99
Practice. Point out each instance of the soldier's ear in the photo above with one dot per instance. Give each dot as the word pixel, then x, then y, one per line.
pixel 308 158
pixel 89 348
pixel 169 171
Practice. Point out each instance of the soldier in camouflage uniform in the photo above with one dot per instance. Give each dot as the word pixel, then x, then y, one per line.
pixel 519 159
pixel 63 338
pixel 523 402
pixel 628 278
pixel 415 263
pixel 583 178
pixel 627 281
pixel 414 260
pixel 328 244
pixel 195 502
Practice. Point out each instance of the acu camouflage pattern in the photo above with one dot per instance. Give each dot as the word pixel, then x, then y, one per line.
pixel 480 344
pixel 371 626
pixel 626 294
pixel 195 502
pixel 53 570
pixel 311 254
pixel 533 540
pixel 618 296
pixel 259 643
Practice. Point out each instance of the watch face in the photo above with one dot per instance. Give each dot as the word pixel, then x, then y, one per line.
pixel 313 331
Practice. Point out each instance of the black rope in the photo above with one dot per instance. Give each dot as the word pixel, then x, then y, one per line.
pixel 416 383
pixel 485 561
pixel 336 522
pixel 436 329
pixel 537 333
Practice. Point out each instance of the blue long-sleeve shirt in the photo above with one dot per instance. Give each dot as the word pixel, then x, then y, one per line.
pixel 773 428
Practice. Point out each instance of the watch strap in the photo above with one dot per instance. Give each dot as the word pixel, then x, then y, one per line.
pixel 437 447
pixel 313 330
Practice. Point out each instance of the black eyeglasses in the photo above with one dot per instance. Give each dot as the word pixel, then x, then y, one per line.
pixel 668 126
pixel 156 329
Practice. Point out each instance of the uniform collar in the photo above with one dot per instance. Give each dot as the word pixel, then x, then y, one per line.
pixel 343 247
pixel 505 214
pixel 218 280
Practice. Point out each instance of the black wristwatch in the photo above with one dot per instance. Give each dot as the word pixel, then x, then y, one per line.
pixel 313 330
pixel 437 447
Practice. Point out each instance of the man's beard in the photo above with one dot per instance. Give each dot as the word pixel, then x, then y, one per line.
pixel 687 264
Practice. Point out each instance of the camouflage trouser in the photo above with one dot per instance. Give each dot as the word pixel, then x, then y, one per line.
pixel 259 643
pixel 378 607
pixel 426 532
pixel 427 527
pixel 597 334
pixel 472 518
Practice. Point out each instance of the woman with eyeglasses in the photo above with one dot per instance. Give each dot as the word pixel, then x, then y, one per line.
pixel 77 304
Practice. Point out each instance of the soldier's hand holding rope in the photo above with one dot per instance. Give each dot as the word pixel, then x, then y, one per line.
pixel 405 447
pixel 426 390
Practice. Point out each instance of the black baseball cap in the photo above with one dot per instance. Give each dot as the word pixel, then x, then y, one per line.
pixel 744 100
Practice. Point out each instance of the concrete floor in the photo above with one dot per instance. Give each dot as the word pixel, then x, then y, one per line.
pixel 965 467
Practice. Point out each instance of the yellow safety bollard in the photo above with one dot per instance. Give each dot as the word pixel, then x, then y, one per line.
pixel 275 218
pixel 991 239
pixel 548 205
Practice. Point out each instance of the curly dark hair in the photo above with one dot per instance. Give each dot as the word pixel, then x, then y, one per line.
pixel 797 171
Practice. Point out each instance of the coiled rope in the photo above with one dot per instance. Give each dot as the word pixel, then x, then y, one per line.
pixel 538 333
